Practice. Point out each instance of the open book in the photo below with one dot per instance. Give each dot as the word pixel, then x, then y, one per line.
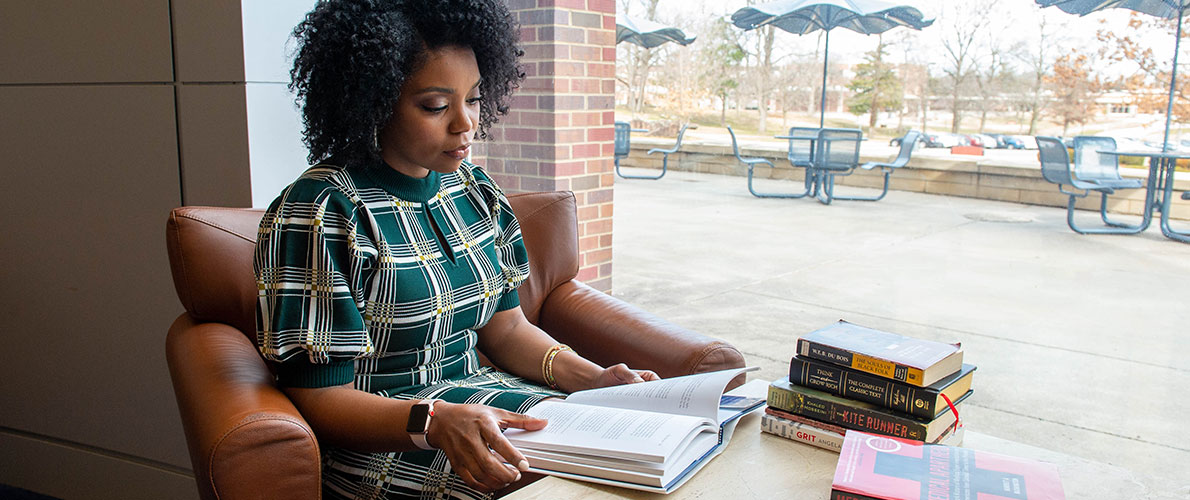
pixel 650 436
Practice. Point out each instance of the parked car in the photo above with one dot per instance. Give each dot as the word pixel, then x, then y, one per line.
pixel 896 141
pixel 1027 141
pixel 947 140
pixel 986 140
pixel 1008 141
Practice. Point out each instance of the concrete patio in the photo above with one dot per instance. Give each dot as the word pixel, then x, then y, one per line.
pixel 1081 341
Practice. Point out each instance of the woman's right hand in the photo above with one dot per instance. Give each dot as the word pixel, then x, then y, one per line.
pixel 472 437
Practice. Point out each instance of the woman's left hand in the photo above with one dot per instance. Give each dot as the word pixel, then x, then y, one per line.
pixel 621 374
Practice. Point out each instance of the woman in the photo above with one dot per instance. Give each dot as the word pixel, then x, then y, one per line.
pixel 385 266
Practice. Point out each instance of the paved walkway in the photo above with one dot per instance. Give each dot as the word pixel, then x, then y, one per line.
pixel 1082 342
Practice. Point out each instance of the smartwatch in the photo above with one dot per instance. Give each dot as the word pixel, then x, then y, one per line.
pixel 419 422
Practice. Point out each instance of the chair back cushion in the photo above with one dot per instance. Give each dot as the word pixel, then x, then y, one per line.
pixel 549 227
pixel 210 255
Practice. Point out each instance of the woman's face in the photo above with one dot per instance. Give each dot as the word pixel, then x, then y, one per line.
pixel 435 117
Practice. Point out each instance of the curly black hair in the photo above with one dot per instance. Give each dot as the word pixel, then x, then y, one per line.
pixel 354 55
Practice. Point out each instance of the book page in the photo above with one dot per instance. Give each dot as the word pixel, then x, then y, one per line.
pixel 702 447
pixel 696 395
pixel 615 432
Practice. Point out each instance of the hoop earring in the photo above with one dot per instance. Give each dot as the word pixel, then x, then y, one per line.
pixel 376 139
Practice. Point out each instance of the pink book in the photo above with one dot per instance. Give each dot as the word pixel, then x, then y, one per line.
pixel 873 467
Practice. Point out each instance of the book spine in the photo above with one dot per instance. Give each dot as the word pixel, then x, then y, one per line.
pixel 861 362
pixel 834 379
pixel 805 420
pixel 851 417
pixel 800 432
pixel 843 495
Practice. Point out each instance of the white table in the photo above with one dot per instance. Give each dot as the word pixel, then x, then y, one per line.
pixel 758 465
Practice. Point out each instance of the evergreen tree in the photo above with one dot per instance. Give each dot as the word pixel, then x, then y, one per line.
pixel 721 57
pixel 875 87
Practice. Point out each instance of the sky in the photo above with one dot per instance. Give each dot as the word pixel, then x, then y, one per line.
pixel 1012 21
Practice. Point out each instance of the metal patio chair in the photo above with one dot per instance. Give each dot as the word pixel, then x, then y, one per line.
pixel 908 141
pixel 751 163
pixel 836 153
pixel 623 136
pixel 801 154
pixel 1090 172
pixel 801 146
pixel 664 158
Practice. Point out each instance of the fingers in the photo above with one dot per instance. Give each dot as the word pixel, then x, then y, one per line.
pixel 472 440
pixel 504 449
pixel 522 421
pixel 648 375
pixel 624 374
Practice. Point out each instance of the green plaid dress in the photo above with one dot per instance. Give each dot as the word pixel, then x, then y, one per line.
pixel 366 275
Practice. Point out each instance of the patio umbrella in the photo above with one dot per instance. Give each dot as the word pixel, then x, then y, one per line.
pixel 648 34
pixel 1167 9
pixel 806 16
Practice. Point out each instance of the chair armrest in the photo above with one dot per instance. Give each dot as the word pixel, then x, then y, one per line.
pixel 873 164
pixel 607 330
pixel 246 438
pixel 659 150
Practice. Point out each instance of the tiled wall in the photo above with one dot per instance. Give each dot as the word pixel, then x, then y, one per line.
pixel 111 114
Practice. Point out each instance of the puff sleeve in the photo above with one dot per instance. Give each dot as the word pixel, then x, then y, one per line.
pixel 510 248
pixel 311 261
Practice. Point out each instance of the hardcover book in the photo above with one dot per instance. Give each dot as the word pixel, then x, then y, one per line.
pixel 875 467
pixel 860 415
pixel 925 402
pixel 788 425
pixel 913 361
pixel 825 436
pixel 650 436
pixel 805 420
pixel 801 432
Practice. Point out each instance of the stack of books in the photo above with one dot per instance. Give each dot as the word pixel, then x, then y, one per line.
pixel 847 376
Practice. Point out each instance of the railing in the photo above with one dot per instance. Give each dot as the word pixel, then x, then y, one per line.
pixel 930 171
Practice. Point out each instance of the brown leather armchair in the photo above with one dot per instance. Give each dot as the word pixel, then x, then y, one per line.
pixel 244 434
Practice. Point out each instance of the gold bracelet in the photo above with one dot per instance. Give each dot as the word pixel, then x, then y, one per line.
pixel 547 364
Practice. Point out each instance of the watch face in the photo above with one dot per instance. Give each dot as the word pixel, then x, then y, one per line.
pixel 419 419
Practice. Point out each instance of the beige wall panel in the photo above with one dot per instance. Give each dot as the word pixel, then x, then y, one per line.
pixel 91 176
pixel 68 41
pixel 214 142
pixel 71 473
pixel 208 40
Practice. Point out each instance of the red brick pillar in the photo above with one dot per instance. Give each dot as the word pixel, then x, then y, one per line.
pixel 558 134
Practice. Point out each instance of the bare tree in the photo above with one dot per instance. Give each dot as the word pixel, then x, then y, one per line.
pixel 1040 62
pixel 765 73
pixel 1148 86
pixel 991 70
pixel 639 60
pixel 1075 87
pixel 966 25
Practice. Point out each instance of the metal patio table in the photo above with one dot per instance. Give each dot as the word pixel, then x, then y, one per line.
pixel 1159 189
pixel 813 183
